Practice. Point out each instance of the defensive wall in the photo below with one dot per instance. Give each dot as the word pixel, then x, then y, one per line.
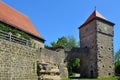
pixel 19 62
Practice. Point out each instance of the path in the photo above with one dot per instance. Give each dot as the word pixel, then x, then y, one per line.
pixel 76 76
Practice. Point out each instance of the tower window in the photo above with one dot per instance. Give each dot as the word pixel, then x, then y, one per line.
pixel 109 73
pixel 103 65
pixel 86 47
pixel 109 66
pixel 109 48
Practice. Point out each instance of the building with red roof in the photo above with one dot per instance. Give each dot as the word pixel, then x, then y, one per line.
pixel 10 16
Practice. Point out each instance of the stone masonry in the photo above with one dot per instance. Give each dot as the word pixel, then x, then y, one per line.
pixel 17 62
pixel 96 34
pixel 20 62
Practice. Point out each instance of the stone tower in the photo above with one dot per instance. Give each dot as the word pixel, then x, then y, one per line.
pixel 96 34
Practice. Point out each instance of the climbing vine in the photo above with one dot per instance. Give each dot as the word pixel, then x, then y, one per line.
pixel 7 28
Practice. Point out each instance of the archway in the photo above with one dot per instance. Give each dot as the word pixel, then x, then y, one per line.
pixel 77 65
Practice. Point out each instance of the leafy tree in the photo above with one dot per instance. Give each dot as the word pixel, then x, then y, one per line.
pixel 69 41
pixel 46 46
pixel 117 56
pixel 74 65
pixel 54 44
pixel 63 42
pixel 117 62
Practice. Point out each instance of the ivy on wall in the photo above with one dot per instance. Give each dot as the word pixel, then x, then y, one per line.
pixel 9 29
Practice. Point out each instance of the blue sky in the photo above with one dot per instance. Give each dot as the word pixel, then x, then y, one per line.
pixel 56 18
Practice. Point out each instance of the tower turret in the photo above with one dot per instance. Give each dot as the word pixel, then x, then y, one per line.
pixel 97 35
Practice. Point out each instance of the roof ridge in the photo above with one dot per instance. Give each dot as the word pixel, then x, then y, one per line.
pixel 97 14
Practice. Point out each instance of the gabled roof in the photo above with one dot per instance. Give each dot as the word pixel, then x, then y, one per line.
pixel 94 15
pixel 13 17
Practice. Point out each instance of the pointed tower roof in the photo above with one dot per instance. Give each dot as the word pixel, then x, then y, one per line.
pixel 93 16
pixel 18 20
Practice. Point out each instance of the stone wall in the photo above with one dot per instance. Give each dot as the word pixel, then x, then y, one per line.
pixel 88 39
pixel 54 60
pixel 37 43
pixel 19 62
pixel 105 58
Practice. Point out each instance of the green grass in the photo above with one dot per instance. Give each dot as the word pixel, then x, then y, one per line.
pixel 113 78
pixel 73 75
pixel 66 79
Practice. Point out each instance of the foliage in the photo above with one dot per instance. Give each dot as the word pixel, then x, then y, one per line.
pixel 117 56
pixel 72 75
pixel 74 65
pixel 54 44
pixel 117 62
pixel 117 67
pixel 46 46
pixel 69 41
pixel 9 29
pixel 66 79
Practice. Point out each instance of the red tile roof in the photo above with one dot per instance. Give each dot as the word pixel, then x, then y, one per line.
pixel 17 19
pixel 94 15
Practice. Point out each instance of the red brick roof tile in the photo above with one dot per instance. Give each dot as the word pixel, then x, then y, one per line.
pixel 17 19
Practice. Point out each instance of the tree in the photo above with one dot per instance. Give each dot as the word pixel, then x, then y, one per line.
pixel 117 62
pixel 62 41
pixel 117 56
pixel 69 41
pixel 54 44
pixel 74 65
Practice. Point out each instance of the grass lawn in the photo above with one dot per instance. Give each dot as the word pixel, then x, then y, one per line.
pixel 100 79
pixel 114 78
